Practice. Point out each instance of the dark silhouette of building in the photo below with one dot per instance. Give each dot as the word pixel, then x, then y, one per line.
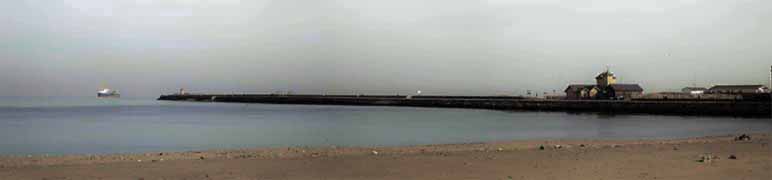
pixel 738 89
pixel 605 88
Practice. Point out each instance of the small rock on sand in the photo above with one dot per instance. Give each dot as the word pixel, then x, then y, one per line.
pixel 732 156
pixel 375 152
pixel 541 147
pixel 706 158
pixel 743 137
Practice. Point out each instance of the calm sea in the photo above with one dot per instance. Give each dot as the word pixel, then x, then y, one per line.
pixel 58 125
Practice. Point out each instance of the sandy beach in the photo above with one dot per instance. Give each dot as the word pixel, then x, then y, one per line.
pixel 718 157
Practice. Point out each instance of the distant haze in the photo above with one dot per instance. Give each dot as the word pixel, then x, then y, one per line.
pixel 144 48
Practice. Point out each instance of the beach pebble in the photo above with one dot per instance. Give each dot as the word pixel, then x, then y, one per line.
pixel 500 149
pixel 581 145
pixel 743 137
pixel 375 152
pixel 732 156
pixel 558 146
pixel 201 157
pixel 706 158
pixel 139 160
pixel 541 147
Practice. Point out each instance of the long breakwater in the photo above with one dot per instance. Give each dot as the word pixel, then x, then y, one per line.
pixel 665 107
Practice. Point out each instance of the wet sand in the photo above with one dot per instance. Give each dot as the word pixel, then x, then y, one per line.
pixel 560 159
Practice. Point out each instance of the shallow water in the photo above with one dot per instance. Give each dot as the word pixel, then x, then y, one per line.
pixel 89 125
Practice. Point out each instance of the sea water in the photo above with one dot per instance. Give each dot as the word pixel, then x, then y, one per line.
pixel 87 125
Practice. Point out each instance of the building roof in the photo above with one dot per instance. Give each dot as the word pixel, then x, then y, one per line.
pixel 694 89
pixel 626 87
pixel 604 74
pixel 736 87
pixel 577 87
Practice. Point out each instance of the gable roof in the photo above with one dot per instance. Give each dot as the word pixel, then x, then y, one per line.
pixel 577 87
pixel 626 87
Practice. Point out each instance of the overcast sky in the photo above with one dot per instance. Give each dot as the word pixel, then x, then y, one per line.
pixel 147 47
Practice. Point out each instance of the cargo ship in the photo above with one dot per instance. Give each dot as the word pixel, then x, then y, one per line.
pixel 108 93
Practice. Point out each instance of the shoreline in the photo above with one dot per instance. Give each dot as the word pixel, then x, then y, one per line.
pixel 496 153
pixel 517 144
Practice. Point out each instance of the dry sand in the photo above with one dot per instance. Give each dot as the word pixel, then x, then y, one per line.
pixel 573 159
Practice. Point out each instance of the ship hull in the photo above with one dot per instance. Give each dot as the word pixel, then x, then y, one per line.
pixel 100 95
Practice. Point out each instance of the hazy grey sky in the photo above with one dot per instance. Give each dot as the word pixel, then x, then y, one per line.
pixel 146 47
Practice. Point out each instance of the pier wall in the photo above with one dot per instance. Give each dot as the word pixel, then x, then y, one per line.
pixel 670 107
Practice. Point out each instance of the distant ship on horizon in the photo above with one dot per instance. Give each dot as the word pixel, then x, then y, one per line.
pixel 108 93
